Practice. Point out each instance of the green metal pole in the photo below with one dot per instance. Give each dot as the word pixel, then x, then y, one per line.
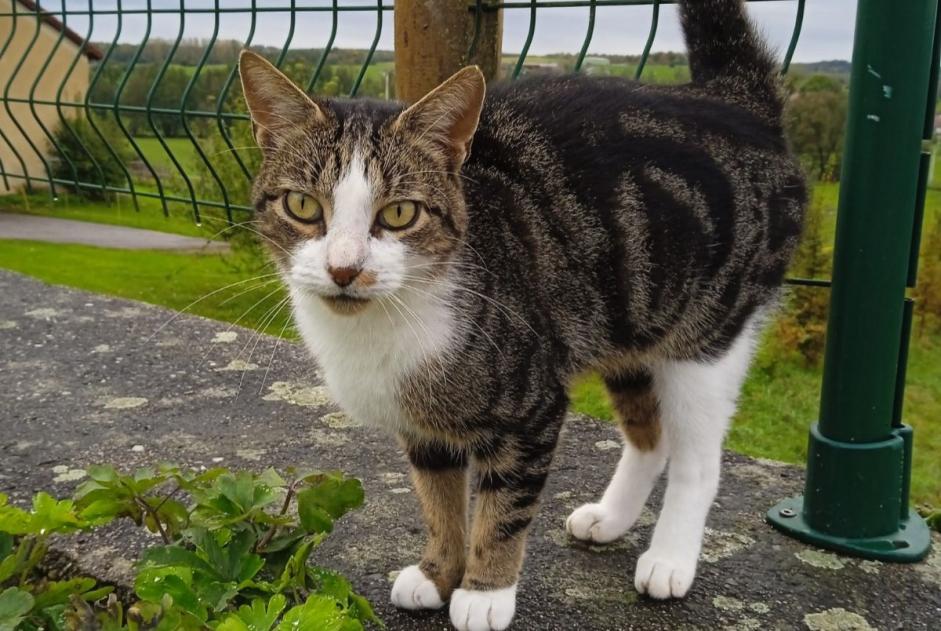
pixel 858 460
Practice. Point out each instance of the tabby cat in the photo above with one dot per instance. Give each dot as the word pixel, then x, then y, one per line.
pixel 454 265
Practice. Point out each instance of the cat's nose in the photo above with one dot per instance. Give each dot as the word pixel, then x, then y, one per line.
pixel 343 276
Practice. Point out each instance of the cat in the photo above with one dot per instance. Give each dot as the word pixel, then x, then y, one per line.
pixel 453 265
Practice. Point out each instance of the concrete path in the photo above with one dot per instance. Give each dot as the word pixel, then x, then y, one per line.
pixel 87 379
pixel 55 230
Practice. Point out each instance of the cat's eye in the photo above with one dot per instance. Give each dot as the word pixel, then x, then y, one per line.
pixel 398 216
pixel 303 207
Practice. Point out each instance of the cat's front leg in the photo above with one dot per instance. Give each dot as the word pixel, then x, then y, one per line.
pixel 439 474
pixel 511 478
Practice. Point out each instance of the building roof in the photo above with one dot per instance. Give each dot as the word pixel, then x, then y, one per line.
pixel 91 51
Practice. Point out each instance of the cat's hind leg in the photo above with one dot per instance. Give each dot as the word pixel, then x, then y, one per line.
pixel 642 461
pixel 697 400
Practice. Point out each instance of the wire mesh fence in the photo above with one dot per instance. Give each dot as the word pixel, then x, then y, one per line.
pixel 160 121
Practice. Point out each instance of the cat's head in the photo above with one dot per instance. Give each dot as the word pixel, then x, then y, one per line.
pixel 358 198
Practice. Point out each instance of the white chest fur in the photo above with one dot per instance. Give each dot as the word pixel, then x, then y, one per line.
pixel 364 357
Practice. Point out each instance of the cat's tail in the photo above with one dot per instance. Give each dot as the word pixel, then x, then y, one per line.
pixel 726 52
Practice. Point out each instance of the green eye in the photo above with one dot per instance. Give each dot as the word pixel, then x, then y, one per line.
pixel 398 216
pixel 303 207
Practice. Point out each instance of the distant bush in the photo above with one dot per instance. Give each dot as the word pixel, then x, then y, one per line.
pixel 86 157
pixel 803 321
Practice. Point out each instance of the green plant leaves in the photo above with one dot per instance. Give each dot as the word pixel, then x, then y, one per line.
pixel 326 500
pixel 15 605
pixel 257 617
pixel 48 516
pixel 318 613
pixel 235 556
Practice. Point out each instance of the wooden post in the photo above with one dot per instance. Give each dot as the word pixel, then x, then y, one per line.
pixel 432 40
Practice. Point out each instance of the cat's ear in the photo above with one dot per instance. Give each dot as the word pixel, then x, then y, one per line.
pixel 275 104
pixel 448 115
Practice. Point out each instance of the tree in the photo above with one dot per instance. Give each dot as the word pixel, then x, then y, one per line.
pixel 815 120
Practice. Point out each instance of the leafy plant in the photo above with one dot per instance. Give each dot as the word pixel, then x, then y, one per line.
pixel 28 600
pixel 234 556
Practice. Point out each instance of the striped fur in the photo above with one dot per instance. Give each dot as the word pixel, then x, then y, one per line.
pixel 589 223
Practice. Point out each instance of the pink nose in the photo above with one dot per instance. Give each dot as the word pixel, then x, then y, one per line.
pixel 343 276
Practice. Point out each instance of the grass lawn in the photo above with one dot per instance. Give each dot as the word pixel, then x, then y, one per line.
pixel 175 280
pixel 182 149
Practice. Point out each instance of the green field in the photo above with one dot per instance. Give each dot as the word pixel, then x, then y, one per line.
pixel 182 149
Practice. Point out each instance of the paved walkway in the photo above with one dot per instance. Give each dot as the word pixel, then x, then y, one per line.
pixel 87 379
pixel 55 230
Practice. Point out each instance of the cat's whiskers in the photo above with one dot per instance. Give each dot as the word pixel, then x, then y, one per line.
pixel 464 317
pixel 260 325
pixel 394 302
pixel 274 351
pixel 267 318
pixel 496 303
pixel 180 312
pixel 234 323
pixel 466 244
pixel 436 355
pixel 454 264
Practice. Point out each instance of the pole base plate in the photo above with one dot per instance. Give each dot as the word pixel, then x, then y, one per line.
pixel 909 544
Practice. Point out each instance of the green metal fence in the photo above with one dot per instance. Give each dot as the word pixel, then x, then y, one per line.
pixel 860 442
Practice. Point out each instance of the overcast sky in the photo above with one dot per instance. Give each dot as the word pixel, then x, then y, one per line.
pixel 827 32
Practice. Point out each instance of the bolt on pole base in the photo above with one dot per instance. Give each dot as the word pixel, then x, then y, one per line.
pixel 909 544
pixel 856 500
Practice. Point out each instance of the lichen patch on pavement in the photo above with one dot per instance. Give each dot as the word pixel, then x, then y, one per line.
pixel 45 313
pixel 66 474
pixel 123 312
pixel 727 603
pixel 930 568
pixel 225 337
pixel 298 394
pixel 836 619
pixel 251 454
pixel 719 544
pixel 339 420
pixel 125 403
pixel 238 364
pixel 823 560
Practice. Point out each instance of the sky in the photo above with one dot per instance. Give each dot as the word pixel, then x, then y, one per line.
pixel 827 32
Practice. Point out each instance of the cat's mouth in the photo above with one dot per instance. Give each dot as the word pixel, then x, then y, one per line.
pixel 346 304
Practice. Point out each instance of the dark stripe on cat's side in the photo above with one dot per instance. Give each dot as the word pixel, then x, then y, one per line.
pixel 433 457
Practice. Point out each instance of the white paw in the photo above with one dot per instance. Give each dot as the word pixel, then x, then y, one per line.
pixel 660 576
pixel 595 522
pixel 483 611
pixel 413 590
